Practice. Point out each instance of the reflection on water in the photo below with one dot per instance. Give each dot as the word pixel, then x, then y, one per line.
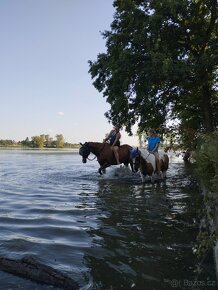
pixel 107 232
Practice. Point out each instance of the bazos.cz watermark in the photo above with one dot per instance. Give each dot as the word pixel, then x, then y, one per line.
pixel 174 283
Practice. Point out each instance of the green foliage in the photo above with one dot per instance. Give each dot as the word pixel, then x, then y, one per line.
pixel 42 141
pixel 206 240
pixel 206 157
pixel 207 236
pixel 59 141
pixel 7 142
pixel 161 58
pixel 26 142
pixel 189 138
pixel 38 141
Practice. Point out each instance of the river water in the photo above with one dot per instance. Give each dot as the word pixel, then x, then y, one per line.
pixel 109 232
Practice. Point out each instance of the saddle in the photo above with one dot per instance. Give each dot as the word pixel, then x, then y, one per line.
pixel 150 158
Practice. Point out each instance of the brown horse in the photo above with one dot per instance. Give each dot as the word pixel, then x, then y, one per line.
pixel 105 155
pixel 145 163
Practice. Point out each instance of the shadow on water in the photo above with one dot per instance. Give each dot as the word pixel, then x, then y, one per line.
pixel 146 234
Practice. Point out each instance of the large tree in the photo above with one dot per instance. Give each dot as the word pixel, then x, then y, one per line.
pixel 161 62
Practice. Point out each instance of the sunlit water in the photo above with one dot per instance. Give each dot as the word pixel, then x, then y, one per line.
pixel 110 232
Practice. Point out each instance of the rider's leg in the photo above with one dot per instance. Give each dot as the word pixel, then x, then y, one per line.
pixel 157 162
pixel 115 150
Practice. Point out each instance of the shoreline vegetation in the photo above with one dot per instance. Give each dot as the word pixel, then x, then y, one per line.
pixel 205 165
pixel 41 142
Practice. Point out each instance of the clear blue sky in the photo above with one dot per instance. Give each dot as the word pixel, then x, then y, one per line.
pixel 45 87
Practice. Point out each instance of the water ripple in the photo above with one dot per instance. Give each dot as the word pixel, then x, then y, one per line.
pixel 105 232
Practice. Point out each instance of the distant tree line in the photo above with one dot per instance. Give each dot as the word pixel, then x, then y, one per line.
pixel 40 141
pixel 7 142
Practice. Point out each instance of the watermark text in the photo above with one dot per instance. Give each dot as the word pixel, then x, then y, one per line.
pixel 174 283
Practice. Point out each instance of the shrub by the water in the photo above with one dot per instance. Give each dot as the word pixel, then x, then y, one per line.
pixel 206 156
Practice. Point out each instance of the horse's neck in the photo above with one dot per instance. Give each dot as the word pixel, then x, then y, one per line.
pixel 143 162
pixel 144 153
pixel 95 147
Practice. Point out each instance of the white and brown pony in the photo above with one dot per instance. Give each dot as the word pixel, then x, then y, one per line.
pixel 146 164
pixel 105 155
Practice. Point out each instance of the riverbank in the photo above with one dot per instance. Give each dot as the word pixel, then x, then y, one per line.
pixel 208 235
pixel 31 147
pixel 39 150
pixel 205 168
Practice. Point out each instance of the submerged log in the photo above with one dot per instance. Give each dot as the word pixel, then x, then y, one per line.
pixel 30 268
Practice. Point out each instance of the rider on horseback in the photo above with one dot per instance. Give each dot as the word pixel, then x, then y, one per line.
pixel 153 144
pixel 114 137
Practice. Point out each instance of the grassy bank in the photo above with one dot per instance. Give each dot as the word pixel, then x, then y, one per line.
pixel 206 169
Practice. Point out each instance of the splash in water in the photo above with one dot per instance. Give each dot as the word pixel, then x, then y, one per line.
pixel 118 172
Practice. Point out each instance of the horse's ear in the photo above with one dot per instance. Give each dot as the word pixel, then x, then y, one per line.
pixel 81 144
pixel 137 149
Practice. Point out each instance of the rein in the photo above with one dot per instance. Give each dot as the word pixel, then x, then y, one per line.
pixel 95 155
pixel 143 158
pixel 148 155
pixel 92 158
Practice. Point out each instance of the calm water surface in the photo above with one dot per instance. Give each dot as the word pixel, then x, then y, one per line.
pixel 105 233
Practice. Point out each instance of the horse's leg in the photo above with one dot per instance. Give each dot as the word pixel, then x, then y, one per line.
pixel 142 177
pixel 131 164
pixel 101 170
pixel 154 176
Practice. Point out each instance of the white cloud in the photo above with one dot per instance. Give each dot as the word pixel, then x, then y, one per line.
pixel 61 113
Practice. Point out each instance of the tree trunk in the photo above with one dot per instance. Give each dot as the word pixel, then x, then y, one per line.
pixel 30 268
pixel 207 110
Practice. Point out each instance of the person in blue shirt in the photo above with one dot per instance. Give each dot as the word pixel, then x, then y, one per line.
pixel 114 140
pixel 153 144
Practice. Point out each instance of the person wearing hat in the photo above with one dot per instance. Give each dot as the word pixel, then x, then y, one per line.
pixel 114 140
pixel 153 144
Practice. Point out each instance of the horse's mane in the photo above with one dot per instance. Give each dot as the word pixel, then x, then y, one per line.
pixel 97 143
pixel 101 143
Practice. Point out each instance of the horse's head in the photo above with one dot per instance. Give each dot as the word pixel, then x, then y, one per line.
pixel 135 156
pixel 84 151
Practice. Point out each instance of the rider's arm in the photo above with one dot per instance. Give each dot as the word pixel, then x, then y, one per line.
pixel 156 147
pixel 108 137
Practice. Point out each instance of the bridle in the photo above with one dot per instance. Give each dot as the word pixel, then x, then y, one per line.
pixel 99 153
pixel 85 145
pixel 92 158
pixel 138 155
